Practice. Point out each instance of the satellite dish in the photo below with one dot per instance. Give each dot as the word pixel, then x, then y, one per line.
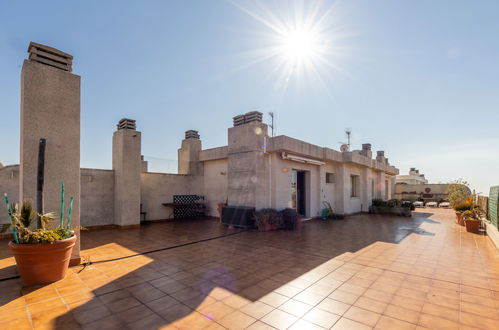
pixel 344 148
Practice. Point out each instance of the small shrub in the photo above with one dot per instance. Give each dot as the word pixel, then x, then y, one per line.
pixel 463 207
pixel 378 202
pixel 266 218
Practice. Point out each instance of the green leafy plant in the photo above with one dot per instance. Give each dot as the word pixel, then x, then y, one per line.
pixel 475 213
pixel 463 207
pixel 458 192
pixel 22 218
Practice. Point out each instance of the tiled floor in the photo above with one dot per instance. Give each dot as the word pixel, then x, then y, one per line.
pixel 423 272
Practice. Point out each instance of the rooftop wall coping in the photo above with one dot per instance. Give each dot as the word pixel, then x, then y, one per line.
pixel 286 143
pixel 214 153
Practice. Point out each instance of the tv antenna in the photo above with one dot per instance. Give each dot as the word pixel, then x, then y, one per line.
pixel 348 132
pixel 271 114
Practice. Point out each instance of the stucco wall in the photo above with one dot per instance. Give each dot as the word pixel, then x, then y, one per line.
pixel 215 184
pixel 159 188
pixel 97 197
pixel 9 183
pixel 281 182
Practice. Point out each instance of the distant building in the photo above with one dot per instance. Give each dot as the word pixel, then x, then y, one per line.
pixel 414 177
pixel 415 187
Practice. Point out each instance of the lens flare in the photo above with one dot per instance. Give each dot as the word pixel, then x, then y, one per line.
pixel 302 39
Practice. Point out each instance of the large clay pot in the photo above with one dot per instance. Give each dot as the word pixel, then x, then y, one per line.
pixel 472 226
pixel 43 263
pixel 459 218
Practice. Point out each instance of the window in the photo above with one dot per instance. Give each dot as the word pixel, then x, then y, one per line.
pixel 354 180
pixel 329 177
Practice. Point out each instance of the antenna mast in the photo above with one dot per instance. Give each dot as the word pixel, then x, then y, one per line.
pixel 271 114
pixel 348 132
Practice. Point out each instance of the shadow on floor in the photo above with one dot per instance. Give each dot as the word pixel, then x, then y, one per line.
pixel 153 290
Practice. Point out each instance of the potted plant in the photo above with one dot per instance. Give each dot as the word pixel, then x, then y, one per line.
pixel 268 219
pixel 291 219
pixel 391 207
pixel 460 209
pixel 220 207
pixel 472 219
pixel 42 255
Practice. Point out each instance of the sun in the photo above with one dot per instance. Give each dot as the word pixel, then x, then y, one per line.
pixel 301 39
pixel 300 46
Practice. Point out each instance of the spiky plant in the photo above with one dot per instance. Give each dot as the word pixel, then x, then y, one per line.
pixel 22 218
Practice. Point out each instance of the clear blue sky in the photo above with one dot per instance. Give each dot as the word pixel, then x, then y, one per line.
pixel 418 79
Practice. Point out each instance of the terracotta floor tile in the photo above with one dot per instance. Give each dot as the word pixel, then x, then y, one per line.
pixel 279 319
pixel 388 323
pixel 353 288
pixel 446 272
pixel 13 314
pixel 174 312
pixel 401 313
pixel 84 316
pixel 237 320
pixel 235 301
pixel 440 311
pixel 362 315
pixel 258 325
pixel 257 309
pixel 44 305
pixel 50 317
pixel 321 318
pixel 478 321
pixel 287 290
pixel 19 324
pixel 305 325
pixel 295 307
pixel 378 295
pixel 408 303
pixel 346 297
pixel 309 298
pixel 216 311
pixel 478 300
pixel 347 324
pixel 371 305
pixel 434 322
pixel 480 310
pixel 123 304
pixel 161 303
pixel 152 321
pixel 134 314
pixel 274 299
pixel 333 306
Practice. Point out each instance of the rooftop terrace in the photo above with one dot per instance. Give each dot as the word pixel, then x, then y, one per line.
pixel 365 272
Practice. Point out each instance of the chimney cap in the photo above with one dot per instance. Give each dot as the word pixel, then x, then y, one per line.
pixel 126 123
pixel 247 118
pixel 366 146
pixel 191 134
pixel 50 56
pixel 380 153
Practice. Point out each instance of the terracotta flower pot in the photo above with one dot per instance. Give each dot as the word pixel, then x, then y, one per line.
pixel 472 226
pixel 43 263
pixel 459 218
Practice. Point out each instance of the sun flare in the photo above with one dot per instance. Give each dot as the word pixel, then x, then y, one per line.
pixel 303 40
pixel 300 45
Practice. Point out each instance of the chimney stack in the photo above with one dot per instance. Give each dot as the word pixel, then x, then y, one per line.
pixel 247 118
